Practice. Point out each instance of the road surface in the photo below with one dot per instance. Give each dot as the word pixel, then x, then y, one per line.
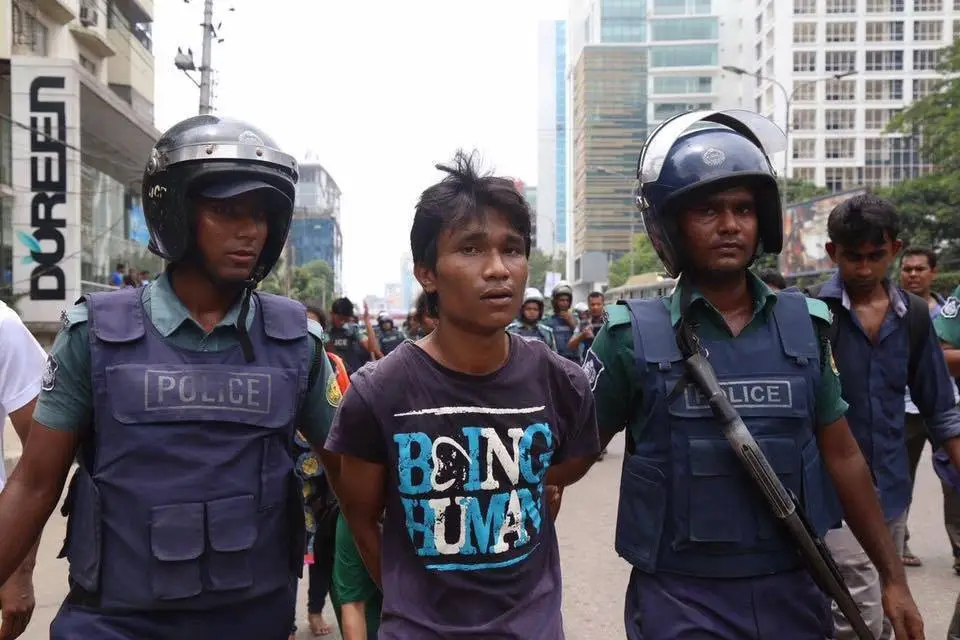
pixel 594 576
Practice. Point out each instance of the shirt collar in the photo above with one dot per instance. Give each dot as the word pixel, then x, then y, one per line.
pixel 168 313
pixel 834 288
pixel 763 296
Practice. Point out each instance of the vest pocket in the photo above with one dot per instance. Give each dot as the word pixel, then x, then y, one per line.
pixel 177 542
pixel 819 498
pixel 232 527
pixel 784 457
pixel 640 514
pixel 720 508
pixel 83 544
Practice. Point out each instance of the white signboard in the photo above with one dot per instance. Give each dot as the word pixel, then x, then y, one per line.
pixel 45 96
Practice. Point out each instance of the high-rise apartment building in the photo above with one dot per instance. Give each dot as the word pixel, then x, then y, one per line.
pixel 76 129
pixel 631 65
pixel 552 137
pixel 315 229
pixel 887 52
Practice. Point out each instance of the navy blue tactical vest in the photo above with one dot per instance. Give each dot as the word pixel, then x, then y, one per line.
pixel 686 504
pixel 390 340
pixel 524 330
pixel 345 342
pixel 186 496
pixel 562 333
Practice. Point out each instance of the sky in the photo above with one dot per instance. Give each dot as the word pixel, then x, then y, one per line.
pixel 378 91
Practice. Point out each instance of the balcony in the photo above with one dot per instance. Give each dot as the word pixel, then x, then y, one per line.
pixel 132 66
pixel 136 11
pixel 90 31
pixel 58 11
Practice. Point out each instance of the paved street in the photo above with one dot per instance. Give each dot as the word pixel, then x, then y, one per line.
pixel 594 576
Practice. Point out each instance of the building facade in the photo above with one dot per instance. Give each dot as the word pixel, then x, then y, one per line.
pixel 552 137
pixel 889 48
pixel 76 128
pixel 315 230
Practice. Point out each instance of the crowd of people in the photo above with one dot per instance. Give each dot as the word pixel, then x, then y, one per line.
pixel 225 438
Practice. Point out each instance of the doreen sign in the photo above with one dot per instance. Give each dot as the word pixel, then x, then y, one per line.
pixel 45 99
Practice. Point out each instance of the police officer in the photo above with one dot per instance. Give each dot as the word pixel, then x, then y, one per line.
pixel 388 336
pixel 708 557
pixel 345 338
pixel 562 320
pixel 180 401
pixel 530 324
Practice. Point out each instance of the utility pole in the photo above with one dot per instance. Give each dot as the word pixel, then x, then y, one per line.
pixel 205 70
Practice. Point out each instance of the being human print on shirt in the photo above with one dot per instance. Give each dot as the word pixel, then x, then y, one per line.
pixel 472 495
pixel 466 459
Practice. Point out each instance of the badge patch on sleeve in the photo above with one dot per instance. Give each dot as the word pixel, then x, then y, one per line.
pixel 593 367
pixel 49 379
pixel 333 391
pixel 950 308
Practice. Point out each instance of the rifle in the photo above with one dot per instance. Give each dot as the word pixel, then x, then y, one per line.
pixel 783 502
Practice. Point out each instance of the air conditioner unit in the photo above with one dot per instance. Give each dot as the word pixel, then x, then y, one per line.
pixel 88 16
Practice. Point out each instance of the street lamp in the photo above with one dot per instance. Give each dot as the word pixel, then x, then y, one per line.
pixel 788 97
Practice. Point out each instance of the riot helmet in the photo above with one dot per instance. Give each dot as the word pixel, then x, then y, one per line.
pixel 218 158
pixel 705 152
pixel 532 294
pixel 384 318
pixel 562 288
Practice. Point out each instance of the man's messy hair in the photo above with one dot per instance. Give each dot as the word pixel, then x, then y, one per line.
pixel 462 195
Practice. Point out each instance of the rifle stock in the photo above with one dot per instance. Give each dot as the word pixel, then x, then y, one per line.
pixel 783 503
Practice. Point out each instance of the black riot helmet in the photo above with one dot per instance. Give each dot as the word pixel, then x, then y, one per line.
pixel 218 158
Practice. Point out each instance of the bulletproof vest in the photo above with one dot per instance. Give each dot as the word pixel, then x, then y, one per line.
pixel 186 497
pixel 345 342
pixel 390 340
pixel 526 331
pixel 562 333
pixel 686 504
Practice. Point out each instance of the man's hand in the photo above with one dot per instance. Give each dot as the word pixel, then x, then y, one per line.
pixel 899 607
pixel 16 605
pixel 553 497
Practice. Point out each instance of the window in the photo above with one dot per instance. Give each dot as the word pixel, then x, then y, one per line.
pixel 837 61
pixel 758 51
pixel 928 30
pixel 684 29
pixel 876 150
pixel 875 177
pixel 840 119
pixel 926 6
pixel 806 174
pixel 879 90
pixel 922 87
pixel 885 31
pixel 884 6
pixel 804 32
pixel 803 7
pixel 681 7
pixel 758 24
pixel 690 55
pixel 682 84
pixel 925 59
pixel 840 178
pixel 804 148
pixel 804 61
pixel 841 31
pixel 28 32
pixel 884 61
pixel 804 119
pixel 805 92
pixel 956 28
pixel 840 148
pixel 667 110
pixel 88 64
pixel 876 119
pixel 841 6
pixel 841 90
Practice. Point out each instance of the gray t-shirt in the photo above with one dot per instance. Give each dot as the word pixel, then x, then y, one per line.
pixel 469 549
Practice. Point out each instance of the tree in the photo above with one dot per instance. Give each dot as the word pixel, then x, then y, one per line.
pixel 800 190
pixel 312 281
pixel 935 118
pixel 641 259
pixel 539 264
pixel 929 209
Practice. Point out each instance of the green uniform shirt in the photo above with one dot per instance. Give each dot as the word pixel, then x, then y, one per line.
pixel 947 322
pixel 351 582
pixel 618 391
pixel 68 406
